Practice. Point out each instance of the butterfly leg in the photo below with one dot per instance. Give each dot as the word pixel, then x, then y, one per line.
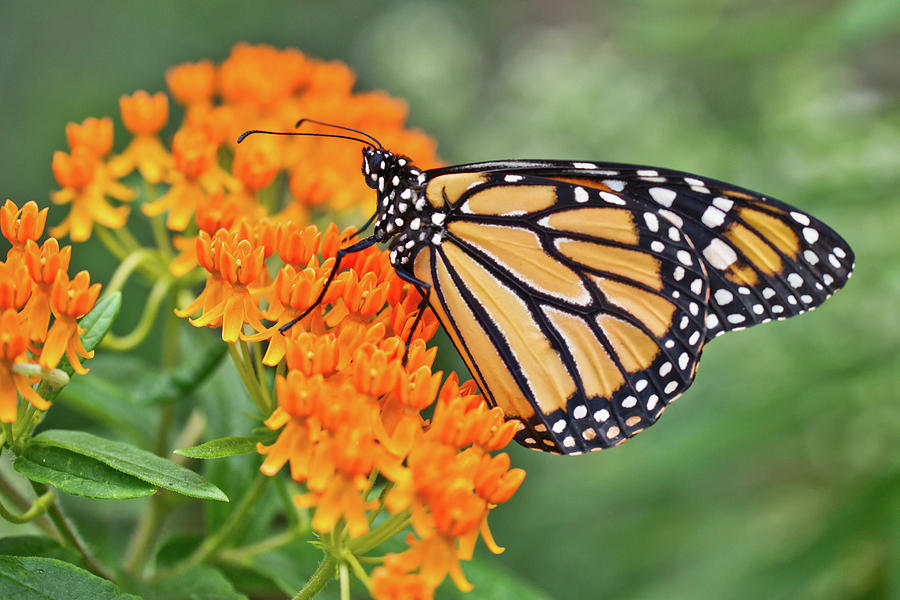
pixel 423 288
pixel 363 228
pixel 357 247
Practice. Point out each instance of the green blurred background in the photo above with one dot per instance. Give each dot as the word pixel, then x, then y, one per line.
pixel 778 475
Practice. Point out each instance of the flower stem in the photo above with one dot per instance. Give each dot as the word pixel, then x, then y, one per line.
pixel 108 240
pixel 22 503
pixel 71 536
pixel 237 519
pixel 385 531
pixel 344 575
pixel 144 325
pixel 40 505
pixel 319 579
pixel 240 555
pixel 128 265
pixel 250 381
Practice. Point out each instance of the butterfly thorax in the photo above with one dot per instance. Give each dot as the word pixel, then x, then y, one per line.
pixel 406 221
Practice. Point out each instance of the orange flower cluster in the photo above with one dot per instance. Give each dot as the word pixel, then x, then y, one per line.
pixel 365 423
pixel 34 284
pixel 255 87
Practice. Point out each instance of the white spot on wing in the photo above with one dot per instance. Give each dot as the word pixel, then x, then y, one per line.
pixel 663 196
pixel 719 254
pixel 712 217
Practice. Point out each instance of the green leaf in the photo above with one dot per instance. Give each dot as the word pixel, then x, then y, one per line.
pixel 107 402
pixel 37 545
pixel 197 583
pixel 37 578
pixel 491 583
pixel 144 465
pixel 290 567
pixel 228 446
pixel 96 325
pixel 168 386
pixel 78 475
pixel 99 321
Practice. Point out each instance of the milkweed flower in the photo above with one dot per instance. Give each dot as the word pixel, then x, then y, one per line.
pixel 144 116
pixel 19 225
pixel 69 300
pixel 374 434
pixel 13 347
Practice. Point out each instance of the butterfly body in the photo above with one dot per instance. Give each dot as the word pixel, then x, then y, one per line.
pixel 581 294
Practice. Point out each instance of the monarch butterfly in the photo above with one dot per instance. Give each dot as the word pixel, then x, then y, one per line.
pixel 581 294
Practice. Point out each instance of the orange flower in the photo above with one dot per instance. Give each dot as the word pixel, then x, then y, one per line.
pixel 45 264
pixel 144 116
pixel 192 83
pixel 86 183
pixel 19 225
pixel 195 174
pixel 15 285
pixel 226 301
pixel 69 300
pixel 13 346
pixel 94 134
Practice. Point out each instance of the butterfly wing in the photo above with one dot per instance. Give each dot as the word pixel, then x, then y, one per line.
pixel 580 313
pixel 765 259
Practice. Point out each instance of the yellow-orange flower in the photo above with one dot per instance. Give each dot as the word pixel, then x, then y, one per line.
pixel 69 301
pixel 45 264
pixel 195 174
pixel 144 116
pixel 15 285
pixel 94 134
pixel 13 346
pixel 192 83
pixel 19 225
pixel 86 183
pixel 235 265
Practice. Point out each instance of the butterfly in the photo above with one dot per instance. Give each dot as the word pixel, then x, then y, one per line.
pixel 581 294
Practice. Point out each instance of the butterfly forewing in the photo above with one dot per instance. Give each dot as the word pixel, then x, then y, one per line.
pixel 579 311
pixel 765 259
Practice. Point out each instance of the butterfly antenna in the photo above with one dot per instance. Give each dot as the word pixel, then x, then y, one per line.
pixel 324 124
pixel 326 135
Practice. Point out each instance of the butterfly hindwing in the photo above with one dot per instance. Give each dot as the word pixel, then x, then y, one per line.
pixel 765 259
pixel 580 312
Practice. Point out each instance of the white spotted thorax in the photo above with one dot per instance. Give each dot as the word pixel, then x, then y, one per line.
pixel 405 219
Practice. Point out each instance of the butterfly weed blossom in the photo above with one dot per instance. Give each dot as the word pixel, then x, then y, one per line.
pixel 39 309
pixel 381 444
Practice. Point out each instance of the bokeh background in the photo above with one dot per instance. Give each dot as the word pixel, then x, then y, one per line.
pixel 778 474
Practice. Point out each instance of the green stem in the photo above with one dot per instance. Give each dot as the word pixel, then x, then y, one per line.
pixel 344 575
pixel 8 438
pixel 240 555
pixel 22 503
pixel 144 325
pixel 144 535
pixel 248 378
pixel 261 374
pixel 126 239
pixel 71 536
pixel 319 579
pixel 40 505
pixel 232 525
pixel 108 240
pixel 385 531
pixel 357 568
pixel 128 265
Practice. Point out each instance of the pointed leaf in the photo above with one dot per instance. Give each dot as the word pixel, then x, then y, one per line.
pixel 168 386
pixel 197 583
pixel 99 321
pixel 228 446
pixel 144 465
pixel 37 578
pixel 78 475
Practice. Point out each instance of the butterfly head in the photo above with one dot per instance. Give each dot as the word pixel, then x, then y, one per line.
pixel 398 184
